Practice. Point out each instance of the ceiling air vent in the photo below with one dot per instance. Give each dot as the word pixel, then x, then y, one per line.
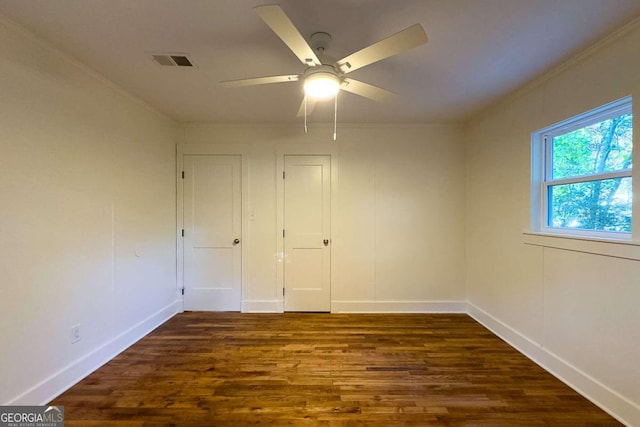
pixel 172 60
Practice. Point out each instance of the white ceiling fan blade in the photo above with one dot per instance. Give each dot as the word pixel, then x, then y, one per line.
pixel 311 103
pixel 260 81
pixel 402 41
pixel 368 91
pixel 279 22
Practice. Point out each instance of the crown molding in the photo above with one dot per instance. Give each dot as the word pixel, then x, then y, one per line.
pixel 556 70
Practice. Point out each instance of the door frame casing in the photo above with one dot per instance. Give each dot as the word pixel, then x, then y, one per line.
pixel 220 150
pixel 282 150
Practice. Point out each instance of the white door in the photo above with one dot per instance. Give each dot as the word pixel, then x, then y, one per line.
pixel 212 231
pixel 307 230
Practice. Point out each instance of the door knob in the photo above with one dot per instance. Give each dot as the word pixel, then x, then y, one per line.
pixel 236 241
pixel 326 242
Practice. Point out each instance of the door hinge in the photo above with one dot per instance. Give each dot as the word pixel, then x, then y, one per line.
pixel 283 174
pixel 282 233
pixel 183 232
pixel 182 174
pixel 182 291
pixel 282 291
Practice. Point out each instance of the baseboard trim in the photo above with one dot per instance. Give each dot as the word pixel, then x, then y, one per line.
pixel 398 307
pixel 618 406
pixel 262 306
pixel 50 388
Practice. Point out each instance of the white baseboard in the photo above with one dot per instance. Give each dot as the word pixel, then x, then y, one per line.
pixel 276 306
pixel 398 307
pixel 50 388
pixel 618 406
pixel 262 306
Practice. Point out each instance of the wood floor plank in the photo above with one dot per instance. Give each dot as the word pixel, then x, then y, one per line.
pixel 232 369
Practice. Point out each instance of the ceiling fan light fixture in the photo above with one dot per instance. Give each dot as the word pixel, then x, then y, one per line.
pixel 321 85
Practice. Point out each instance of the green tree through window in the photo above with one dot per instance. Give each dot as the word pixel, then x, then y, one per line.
pixel 599 204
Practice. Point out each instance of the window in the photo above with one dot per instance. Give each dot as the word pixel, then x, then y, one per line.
pixel 582 174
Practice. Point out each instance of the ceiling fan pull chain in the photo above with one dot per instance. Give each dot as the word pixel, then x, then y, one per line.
pixel 335 117
pixel 305 114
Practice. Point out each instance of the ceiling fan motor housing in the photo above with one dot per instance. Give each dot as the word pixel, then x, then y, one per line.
pixel 320 41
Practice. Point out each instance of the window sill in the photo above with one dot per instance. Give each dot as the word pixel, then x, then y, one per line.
pixel 623 249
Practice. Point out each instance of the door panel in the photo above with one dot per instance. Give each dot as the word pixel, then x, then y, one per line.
pixel 212 221
pixel 307 223
pixel 306 272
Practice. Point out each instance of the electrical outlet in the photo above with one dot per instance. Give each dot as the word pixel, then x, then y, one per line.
pixel 75 333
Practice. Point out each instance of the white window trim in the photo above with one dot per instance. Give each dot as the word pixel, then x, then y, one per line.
pixel 541 172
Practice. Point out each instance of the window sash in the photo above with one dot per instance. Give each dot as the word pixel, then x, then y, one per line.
pixel 546 206
pixel 578 231
pixel 547 137
pixel 609 111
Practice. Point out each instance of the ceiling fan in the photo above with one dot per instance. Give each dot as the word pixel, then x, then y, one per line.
pixel 323 77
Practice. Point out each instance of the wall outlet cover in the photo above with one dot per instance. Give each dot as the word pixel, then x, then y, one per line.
pixel 75 333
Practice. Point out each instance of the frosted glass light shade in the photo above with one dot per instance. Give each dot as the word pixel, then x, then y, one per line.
pixel 321 85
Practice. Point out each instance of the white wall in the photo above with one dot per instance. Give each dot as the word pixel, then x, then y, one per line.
pixel 399 226
pixel 86 182
pixel 575 312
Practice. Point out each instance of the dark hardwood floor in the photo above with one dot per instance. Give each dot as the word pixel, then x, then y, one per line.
pixel 231 369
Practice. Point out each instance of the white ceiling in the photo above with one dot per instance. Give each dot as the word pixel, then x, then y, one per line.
pixel 478 51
